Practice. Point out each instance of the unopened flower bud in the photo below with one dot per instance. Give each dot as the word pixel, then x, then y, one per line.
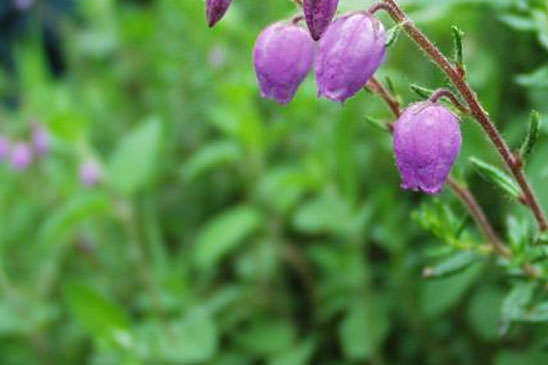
pixel 41 140
pixel 282 56
pixel 90 173
pixel 318 15
pixel 4 147
pixel 20 156
pixel 427 141
pixel 351 50
pixel 215 10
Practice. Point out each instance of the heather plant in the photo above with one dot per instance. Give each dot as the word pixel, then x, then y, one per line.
pixel 181 215
pixel 427 137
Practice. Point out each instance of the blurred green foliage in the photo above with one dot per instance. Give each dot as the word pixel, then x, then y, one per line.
pixel 230 230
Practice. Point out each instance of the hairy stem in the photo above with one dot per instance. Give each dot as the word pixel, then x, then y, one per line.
pixel 445 93
pixel 476 109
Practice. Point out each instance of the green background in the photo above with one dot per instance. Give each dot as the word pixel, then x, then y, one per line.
pixel 231 230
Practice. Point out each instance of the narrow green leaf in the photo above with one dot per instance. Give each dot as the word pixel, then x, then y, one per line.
pixel 458 35
pixel 452 265
pixel 514 305
pixel 65 220
pixel 135 160
pixel 421 91
pixel 103 318
pixel 377 123
pixel 393 34
pixel 531 137
pixel 210 157
pixel 493 175
pixel 364 328
pixel 390 85
pixel 224 233
pixel 543 237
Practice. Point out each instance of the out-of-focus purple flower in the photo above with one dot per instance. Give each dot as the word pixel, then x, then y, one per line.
pixel 427 141
pixel 90 172
pixel 215 10
pixel 351 50
pixel 20 156
pixel 318 15
pixel 23 4
pixel 4 147
pixel 282 56
pixel 217 56
pixel 41 139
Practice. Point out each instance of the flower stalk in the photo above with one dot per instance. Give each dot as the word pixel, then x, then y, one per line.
pixel 477 110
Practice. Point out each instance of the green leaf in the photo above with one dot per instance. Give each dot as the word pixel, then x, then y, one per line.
pixel 514 304
pixel 458 35
pixel 364 328
pixel 522 23
pixel 224 233
pixel 192 339
pixel 422 92
pixel 452 265
pixel 437 296
pixel 299 355
pixel 484 312
pixel 532 136
pixel 210 157
pixel 268 337
pixel 393 34
pixel 135 160
pixel 496 177
pixel 65 220
pixel 100 316
pixel 543 237
pixel 377 123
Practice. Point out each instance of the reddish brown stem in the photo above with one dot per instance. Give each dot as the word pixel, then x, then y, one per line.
pixel 445 93
pixel 476 109
pixel 377 87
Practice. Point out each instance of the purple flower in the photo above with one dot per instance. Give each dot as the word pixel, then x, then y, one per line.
pixel 283 56
pixel 41 140
pixel 20 156
pixel 318 15
pixel 23 4
pixel 351 50
pixel 427 141
pixel 90 172
pixel 4 147
pixel 215 10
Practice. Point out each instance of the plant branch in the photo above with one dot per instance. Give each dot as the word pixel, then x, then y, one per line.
pixel 446 93
pixel 461 192
pixel 476 109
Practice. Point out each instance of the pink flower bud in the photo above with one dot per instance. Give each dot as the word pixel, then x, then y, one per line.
pixel 427 141
pixel 41 140
pixel 351 50
pixel 283 56
pixel 318 15
pixel 20 156
pixel 90 173
pixel 215 10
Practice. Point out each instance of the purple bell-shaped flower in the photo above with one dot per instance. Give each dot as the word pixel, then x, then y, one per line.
pixel 282 56
pixel 215 10
pixel 427 141
pixel 351 50
pixel 318 15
